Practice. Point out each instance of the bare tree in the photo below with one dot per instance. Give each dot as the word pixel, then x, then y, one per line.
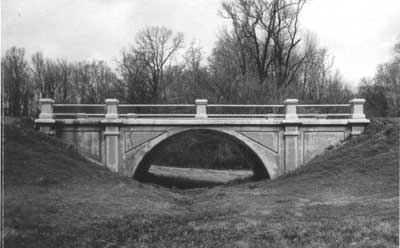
pixel 376 103
pixel 16 81
pixel 315 70
pixel 196 74
pixel 46 75
pixel 388 76
pixel 154 47
pixel 227 68
pixel 38 65
pixel 135 78
pixel 382 92
pixel 267 34
pixel 65 78
pixel 193 56
pixel 95 81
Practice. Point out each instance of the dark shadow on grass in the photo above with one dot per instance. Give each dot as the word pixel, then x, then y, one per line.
pixel 179 182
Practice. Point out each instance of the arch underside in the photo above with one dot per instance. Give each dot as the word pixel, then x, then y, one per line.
pixel 138 145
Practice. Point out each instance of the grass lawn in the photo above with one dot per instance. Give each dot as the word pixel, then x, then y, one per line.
pixel 347 197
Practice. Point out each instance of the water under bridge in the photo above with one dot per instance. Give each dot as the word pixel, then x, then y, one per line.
pixel 122 136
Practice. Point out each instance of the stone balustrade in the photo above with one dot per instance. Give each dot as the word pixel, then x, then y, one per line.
pixel 290 109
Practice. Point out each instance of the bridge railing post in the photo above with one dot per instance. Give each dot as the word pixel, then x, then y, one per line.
pixel 112 108
pixel 46 121
pixel 358 119
pixel 201 108
pixel 357 108
pixel 46 108
pixel 291 108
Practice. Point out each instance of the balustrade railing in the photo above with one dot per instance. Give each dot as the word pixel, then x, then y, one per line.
pixel 79 110
pixel 323 111
pixel 201 110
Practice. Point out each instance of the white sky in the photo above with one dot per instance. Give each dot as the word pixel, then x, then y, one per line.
pixel 359 33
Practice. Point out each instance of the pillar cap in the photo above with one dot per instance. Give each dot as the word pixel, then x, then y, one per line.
pixel 357 101
pixel 201 101
pixel 291 101
pixel 112 101
pixel 46 100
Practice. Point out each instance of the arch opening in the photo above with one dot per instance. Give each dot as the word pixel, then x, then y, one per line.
pixel 200 158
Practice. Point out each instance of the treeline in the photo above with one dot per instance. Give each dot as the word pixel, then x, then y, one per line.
pixel 26 81
pixel 382 92
pixel 263 58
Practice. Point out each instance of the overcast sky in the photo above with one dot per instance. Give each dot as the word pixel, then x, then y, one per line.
pixel 359 33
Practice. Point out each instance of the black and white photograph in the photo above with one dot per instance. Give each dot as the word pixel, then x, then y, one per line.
pixel 200 124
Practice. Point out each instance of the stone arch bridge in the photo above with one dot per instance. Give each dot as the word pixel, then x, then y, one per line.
pixel 282 140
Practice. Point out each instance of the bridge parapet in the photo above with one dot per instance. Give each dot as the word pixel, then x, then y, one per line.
pixel 283 136
pixel 113 110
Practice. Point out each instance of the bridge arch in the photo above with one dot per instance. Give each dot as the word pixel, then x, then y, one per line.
pixel 137 160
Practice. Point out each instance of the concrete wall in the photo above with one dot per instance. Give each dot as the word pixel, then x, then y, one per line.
pixel 89 140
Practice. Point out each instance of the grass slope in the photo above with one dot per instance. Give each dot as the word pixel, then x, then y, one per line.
pixel 348 197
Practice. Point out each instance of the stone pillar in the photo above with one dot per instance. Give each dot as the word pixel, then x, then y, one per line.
pixel 112 108
pixel 112 146
pixel 112 135
pixel 46 121
pixel 201 108
pixel 357 108
pixel 357 121
pixel 291 109
pixel 291 135
pixel 46 108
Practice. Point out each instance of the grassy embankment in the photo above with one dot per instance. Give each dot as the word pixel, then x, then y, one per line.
pixel 348 197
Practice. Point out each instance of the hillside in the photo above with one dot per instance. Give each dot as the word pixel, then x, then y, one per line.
pixel 347 197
